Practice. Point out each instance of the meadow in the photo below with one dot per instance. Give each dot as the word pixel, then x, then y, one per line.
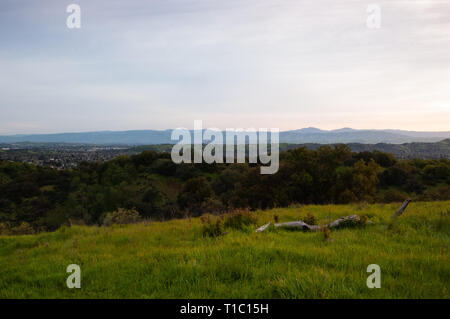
pixel 173 259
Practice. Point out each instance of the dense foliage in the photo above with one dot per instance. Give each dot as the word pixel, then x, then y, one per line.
pixel 40 198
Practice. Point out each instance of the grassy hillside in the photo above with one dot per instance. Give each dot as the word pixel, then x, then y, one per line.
pixel 173 259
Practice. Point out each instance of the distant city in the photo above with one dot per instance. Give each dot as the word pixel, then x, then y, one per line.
pixel 70 155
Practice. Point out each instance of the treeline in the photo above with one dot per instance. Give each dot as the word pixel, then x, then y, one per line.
pixel 36 198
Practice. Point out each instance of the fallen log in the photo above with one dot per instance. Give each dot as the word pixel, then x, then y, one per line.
pixel 352 219
pixel 401 209
pixel 298 225
pixel 301 225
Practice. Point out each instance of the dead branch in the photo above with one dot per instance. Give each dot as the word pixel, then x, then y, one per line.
pixel 347 219
pixel 402 208
pixel 263 228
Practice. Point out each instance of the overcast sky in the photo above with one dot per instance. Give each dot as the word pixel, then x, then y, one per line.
pixel 162 64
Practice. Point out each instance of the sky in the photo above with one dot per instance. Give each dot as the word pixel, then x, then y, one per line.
pixel 284 64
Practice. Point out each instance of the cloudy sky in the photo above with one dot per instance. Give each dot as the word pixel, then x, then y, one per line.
pixel 161 64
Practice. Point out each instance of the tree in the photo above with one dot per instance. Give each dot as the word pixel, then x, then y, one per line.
pixel 364 179
pixel 194 193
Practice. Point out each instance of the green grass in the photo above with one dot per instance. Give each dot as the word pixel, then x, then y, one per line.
pixel 173 260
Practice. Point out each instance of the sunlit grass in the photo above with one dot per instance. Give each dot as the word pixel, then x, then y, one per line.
pixel 173 260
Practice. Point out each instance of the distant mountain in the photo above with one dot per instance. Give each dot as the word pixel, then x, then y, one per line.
pixel 308 130
pixel 348 135
pixel 344 129
pixel 141 137
pixel 300 136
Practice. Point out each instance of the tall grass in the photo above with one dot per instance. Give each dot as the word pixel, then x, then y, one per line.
pixel 174 260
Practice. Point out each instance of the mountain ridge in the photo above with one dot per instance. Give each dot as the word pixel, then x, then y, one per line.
pixel 299 136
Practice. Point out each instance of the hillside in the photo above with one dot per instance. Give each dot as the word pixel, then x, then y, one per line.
pixel 439 149
pixel 45 198
pixel 173 260
pixel 435 150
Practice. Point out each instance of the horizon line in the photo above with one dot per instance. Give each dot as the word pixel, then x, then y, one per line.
pixel 191 129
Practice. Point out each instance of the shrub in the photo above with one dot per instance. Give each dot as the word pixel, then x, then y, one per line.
pixel 394 195
pixel 211 225
pixel 195 192
pixel 438 193
pixel 239 219
pixel 363 219
pixel 276 218
pixel 212 206
pixel 326 232
pixel 23 229
pixel 309 219
pixel 164 167
pixel 76 222
pixel 436 172
pixel 121 217
pixel 346 197
pixel 4 229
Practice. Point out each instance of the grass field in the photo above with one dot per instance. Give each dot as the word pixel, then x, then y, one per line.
pixel 173 260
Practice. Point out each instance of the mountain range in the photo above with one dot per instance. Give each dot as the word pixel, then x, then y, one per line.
pixel 304 135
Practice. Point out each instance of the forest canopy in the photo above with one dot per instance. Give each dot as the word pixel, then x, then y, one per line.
pixel 35 198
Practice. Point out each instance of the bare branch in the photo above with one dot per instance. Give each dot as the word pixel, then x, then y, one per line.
pixel 402 208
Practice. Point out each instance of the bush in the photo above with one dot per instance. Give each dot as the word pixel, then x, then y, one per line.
pixel 211 225
pixel 276 218
pixel 346 197
pixel 436 172
pixel 164 167
pixel 363 219
pixel 76 222
pixel 394 195
pixel 309 219
pixel 121 217
pixel 195 192
pixel 212 206
pixel 23 229
pixel 5 229
pixel 239 219
pixel 326 233
pixel 438 193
